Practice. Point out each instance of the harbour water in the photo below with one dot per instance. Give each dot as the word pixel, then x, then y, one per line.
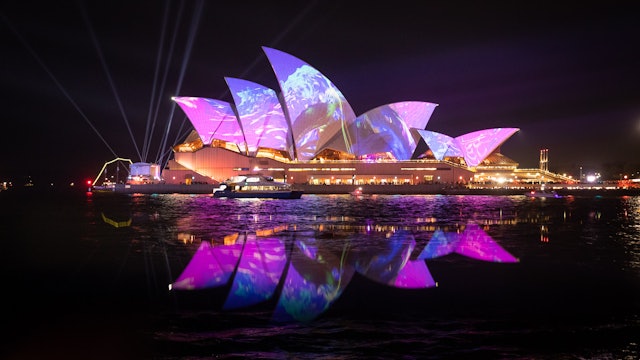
pixel 87 276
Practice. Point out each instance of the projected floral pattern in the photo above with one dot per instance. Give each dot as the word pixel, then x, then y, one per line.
pixel 473 147
pixel 212 119
pixel 261 116
pixel 312 115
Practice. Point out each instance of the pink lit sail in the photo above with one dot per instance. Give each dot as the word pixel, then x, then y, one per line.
pixel 415 114
pixel 477 145
pixel 261 116
pixel 213 119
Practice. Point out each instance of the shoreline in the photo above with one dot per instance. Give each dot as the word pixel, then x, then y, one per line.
pixel 367 190
pixel 421 189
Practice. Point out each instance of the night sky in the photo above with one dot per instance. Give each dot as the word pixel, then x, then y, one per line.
pixel 83 82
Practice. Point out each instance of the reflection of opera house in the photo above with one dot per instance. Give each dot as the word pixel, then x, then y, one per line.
pixel 309 134
pixel 303 275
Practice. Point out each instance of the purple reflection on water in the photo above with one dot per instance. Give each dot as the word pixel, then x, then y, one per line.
pixel 310 277
pixel 473 242
pixel 258 274
pixel 414 275
pixel 209 267
pixel 263 121
pixel 312 283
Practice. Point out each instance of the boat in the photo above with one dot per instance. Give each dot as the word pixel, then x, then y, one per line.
pixel 357 191
pixel 255 186
pixel 106 186
pixel 543 193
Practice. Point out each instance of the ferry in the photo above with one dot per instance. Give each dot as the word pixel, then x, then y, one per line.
pixel 255 186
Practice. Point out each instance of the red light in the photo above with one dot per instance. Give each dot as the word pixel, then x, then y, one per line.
pixel 88 182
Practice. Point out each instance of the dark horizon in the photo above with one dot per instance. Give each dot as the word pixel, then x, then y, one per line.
pixel 83 82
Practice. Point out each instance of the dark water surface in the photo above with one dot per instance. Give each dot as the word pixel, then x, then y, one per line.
pixel 86 276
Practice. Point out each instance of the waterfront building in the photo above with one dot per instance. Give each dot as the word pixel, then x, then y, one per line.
pixel 307 133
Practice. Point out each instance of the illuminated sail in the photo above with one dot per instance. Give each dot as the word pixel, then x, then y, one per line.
pixel 263 122
pixel 318 112
pixel 474 147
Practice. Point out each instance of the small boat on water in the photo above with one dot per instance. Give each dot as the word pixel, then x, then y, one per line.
pixel 543 193
pixel 255 187
pixel 106 186
pixel 357 191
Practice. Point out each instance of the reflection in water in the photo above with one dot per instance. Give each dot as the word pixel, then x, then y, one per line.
pixel 210 266
pixel 196 218
pixel 115 223
pixel 315 279
pixel 308 269
pixel 628 235
pixel 376 273
pixel 473 242
pixel 258 272
pixel 544 233
pixel 389 263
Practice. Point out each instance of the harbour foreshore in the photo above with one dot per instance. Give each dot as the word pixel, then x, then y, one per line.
pixel 420 189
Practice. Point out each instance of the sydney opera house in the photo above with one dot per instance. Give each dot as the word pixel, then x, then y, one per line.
pixel 307 133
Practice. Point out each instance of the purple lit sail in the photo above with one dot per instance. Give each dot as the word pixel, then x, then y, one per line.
pixel 415 114
pixel 197 114
pixel 474 146
pixel 318 112
pixel 440 144
pixel 387 129
pixel 261 116
pixel 213 119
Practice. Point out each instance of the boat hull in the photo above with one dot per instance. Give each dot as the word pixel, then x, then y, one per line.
pixel 292 194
